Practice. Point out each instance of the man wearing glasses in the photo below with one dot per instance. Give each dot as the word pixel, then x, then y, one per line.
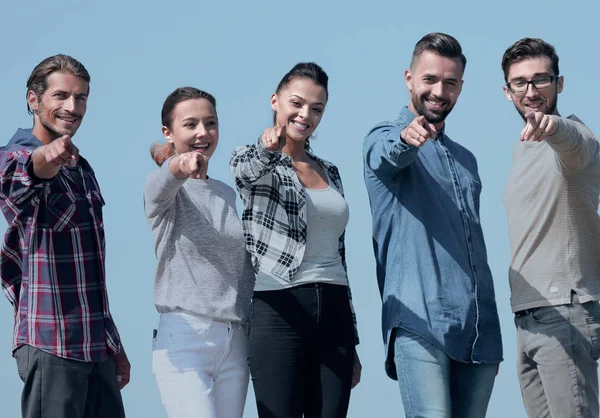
pixel 551 200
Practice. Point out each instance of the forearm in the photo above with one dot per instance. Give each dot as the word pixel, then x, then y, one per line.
pixel 385 152
pixel 250 163
pixel 575 145
pixel 162 187
pixel 17 179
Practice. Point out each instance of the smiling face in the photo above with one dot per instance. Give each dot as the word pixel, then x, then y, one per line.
pixel 299 107
pixel 60 109
pixel 194 127
pixel 434 82
pixel 534 99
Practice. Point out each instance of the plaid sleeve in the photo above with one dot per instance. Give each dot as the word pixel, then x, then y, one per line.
pixel 250 163
pixel 17 181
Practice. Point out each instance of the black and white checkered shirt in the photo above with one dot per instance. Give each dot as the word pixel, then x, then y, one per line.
pixel 274 217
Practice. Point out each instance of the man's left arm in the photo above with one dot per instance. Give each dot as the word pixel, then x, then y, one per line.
pixel 575 145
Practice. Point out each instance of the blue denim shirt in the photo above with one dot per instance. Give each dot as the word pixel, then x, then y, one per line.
pixel 432 267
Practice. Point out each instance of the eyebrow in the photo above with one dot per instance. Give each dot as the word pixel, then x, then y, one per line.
pixel 193 118
pixel 301 98
pixel 67 93
pixel 437 77
pixel 544 74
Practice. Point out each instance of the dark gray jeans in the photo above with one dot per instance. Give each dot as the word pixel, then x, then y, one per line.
pixel 61 388
pixel 558 351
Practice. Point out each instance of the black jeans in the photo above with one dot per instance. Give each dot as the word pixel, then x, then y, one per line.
pixel 61 388
pixel 301 351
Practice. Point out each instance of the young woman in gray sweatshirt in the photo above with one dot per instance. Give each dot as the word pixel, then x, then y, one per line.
pixel 204 278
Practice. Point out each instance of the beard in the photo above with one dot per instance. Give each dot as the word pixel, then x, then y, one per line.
pixel 549 109
pixel 431 116
pixel 52 130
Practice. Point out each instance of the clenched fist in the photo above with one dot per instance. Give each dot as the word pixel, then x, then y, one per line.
pixel 418 131
pixel 273 139
pixel 538 127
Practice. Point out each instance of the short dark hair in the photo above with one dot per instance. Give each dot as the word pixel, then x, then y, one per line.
pixel 529 48
pixel 442 44
pixel 38 79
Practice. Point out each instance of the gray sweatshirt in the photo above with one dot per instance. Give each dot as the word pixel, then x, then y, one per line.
pixel 203 267
pixel 551 200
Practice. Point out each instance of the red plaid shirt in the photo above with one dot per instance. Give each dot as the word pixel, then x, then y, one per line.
pixel 52 259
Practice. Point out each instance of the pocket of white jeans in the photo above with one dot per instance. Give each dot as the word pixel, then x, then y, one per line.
pixel 179 325
pixel 593 325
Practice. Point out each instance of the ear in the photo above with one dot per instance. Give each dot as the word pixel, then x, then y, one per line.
pixel 274 100
pixel 507 93
pixel 559 84
pixel 167 134
pixel 462 82
pixel 408 80
pixel 33 100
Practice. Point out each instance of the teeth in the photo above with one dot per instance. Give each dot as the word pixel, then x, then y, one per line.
pixel 300 125
pixel 201 146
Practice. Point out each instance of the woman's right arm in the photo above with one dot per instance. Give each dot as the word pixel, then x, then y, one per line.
pixel 249 163
pixel 163 184
pixel 161 188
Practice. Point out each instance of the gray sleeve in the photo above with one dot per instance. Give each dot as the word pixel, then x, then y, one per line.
pixel 575 145
pixel 161 189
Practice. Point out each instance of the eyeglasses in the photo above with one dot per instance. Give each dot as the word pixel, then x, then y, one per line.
pixel 521 86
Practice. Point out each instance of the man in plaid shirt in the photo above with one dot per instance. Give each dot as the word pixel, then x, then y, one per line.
pixel 52 271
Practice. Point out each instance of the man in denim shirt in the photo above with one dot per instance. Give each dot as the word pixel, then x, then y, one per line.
pixel 440 322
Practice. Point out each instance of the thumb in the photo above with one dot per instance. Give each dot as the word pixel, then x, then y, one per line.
pixel 421 120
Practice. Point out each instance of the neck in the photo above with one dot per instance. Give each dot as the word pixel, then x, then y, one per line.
pixel 294 149
pixel 41 133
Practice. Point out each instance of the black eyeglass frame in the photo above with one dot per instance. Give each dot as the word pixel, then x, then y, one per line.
pixel 532 82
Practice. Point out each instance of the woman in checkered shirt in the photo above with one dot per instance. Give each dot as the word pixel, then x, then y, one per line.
pixel 302 335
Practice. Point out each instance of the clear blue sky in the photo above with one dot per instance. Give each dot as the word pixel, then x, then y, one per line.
pixel 138 52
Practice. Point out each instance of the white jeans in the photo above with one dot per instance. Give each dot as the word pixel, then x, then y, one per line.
pixel 200 366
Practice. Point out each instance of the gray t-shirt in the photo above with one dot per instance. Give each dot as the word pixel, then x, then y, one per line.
pixel 203 266
pixel 326 219
pixel 551 200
